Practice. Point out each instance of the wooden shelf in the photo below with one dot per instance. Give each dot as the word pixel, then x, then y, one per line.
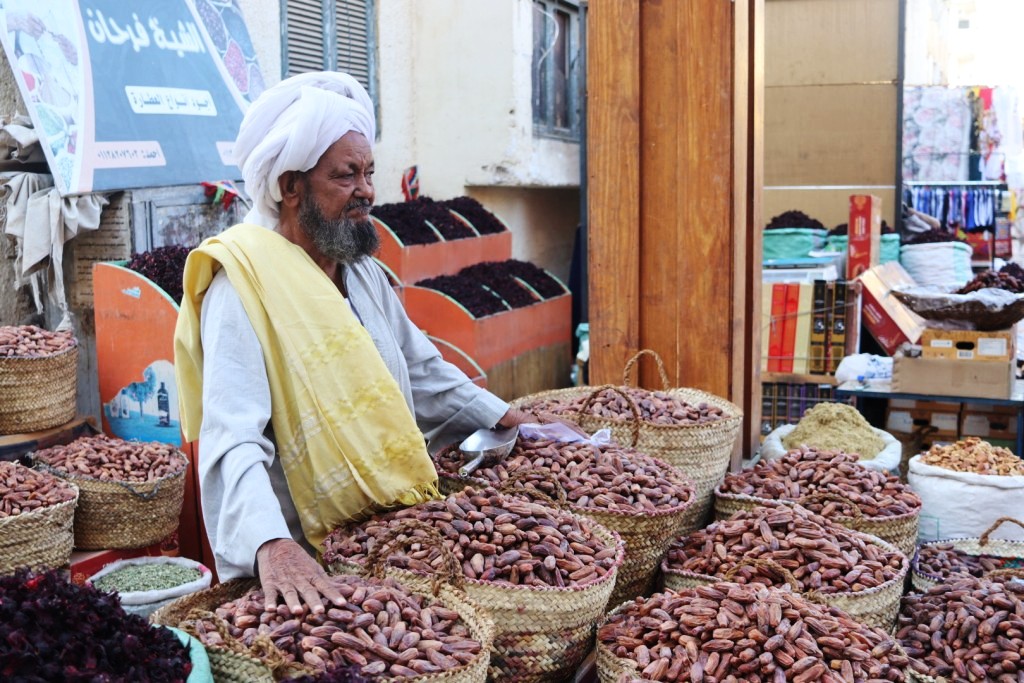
pixel 794 378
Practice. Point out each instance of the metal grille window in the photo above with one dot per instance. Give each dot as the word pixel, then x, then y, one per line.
pixel 556 68
pixel 331 35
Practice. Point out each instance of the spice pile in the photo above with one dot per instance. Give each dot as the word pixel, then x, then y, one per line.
pixel 165 266
pixel 52 630
pixel 835 426
pixel 492 287
pixel 975 455
pixel 794 219
pixel 483 221
pixel 150 576
pixel 408 220
pixel 732 632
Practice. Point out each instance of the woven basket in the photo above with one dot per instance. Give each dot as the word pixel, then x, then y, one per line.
pixel 39 539
pixel 114 514
pixel 38 393
pixel 647 535
pixel 702 452
pixel 613 669
pixel 899 530
pixel 235 663
pixel 878 606
pixel 541 633
pixel 982 545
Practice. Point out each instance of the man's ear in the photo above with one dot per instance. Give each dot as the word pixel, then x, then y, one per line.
pixel 291 184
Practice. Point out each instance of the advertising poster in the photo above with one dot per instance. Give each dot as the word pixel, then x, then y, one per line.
pixel 146 93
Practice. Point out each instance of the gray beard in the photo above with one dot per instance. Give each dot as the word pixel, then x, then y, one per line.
pixel 342 239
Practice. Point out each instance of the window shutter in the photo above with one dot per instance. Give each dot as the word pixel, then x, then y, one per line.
pixel 304 37
pixel 353 39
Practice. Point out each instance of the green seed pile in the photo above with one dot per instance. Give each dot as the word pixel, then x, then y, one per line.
pixel 134 578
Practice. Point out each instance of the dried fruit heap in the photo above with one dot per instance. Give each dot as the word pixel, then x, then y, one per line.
pixel 29 341
pixel 52 630
pixel 107 458
pixel 655 407
pixel 945 561
pixel 732 632
pixel 23 489
pixel 974 455
pixel 822 556
pixel 165 266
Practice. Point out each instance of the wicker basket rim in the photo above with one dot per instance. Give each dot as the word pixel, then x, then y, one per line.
pixel 73 477
pixel 874 540
pixel 735 412
pixel 786 501
pixel 484 622
pixel 611 574
pixel 52 356
pixel 38 512
pixel 669 469
pixel 915 566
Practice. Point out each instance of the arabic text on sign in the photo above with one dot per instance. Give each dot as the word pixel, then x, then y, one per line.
pixel 146 99
pixel 106 30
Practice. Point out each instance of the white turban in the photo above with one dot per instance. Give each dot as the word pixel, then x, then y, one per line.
pixel 290 126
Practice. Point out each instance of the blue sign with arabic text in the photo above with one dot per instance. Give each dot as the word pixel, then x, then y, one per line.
pixel 133 94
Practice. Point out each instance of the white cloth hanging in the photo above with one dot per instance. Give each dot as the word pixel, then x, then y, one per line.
pixel 42 222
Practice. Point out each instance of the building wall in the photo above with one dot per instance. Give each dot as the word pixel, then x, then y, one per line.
pixel 454 79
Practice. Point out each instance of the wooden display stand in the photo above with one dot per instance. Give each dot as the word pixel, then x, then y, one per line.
pixel 135 322
pixel 14 446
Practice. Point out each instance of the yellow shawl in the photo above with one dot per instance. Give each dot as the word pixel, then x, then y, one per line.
pixel 346 438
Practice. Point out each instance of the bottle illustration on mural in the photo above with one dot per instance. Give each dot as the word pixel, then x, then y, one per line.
pixel 147 410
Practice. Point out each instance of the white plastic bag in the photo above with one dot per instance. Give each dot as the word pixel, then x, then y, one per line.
pixel 556 431
pixel 887 460
pixel 964 504
pixel 143 603
pixel 939 264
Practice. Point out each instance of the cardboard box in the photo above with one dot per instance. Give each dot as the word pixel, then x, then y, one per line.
pixel 989 425
pixel 969 345
pixel 909 421
pixel 943 377
pixel 865 234
pixel 889 321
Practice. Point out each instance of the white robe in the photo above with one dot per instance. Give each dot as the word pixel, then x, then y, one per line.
pixel 243 489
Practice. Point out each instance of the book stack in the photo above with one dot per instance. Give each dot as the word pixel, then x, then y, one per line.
pixel 803 326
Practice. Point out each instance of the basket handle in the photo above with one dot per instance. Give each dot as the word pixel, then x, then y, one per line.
pixel 560 498
pixel 451 570
pixel 632 404
pixel 835 497
pixel 635 361
pixel 995 525
pixel 262 647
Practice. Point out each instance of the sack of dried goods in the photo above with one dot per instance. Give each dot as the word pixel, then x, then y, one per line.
pixel 543 574
pixel 384 630
pixel 941 561
pixel 131 492
pixel 145 584
pixel 36 519
pixel 952 480
pixel 643 499
pixel 778 544
pixel 38 378
pixel 832 484
pixel 690 429
pixel 54 630
pixel 840 427
pixel 969 629
pixel 741 632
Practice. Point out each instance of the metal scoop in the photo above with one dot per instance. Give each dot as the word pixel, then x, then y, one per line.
pixel 487 447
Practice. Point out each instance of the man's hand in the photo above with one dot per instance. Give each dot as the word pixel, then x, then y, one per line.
pixel 515 417
pixel 289 573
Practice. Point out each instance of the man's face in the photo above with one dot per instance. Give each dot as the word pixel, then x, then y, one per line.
pixel 334 210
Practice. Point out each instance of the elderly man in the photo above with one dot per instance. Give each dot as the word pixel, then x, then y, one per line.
pixel 307 385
